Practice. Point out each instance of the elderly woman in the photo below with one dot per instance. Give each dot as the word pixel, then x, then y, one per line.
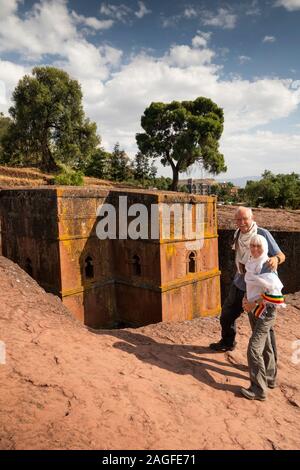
pixel 263 297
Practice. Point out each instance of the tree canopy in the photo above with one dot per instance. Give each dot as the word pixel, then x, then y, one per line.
pixel 274 191
pixel 49 124
pixel 142 169
pixel 182 133
pixel 120 169
pixel 99 165
pixel 5 122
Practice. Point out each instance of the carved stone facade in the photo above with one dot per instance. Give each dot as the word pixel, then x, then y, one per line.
pixel 51 233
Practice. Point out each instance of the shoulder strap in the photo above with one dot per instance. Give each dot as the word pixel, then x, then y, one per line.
pixel 235 239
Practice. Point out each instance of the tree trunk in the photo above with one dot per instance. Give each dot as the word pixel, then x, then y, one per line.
pixel 48 163
pixel 174 186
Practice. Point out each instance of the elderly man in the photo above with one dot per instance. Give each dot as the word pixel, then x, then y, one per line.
pixel 233 305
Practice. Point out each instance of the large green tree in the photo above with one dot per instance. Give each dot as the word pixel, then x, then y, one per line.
pixel 282 190
pixel 99 165
pixel 120 168
pixel 182 133
pixel 5 122
pixel 142 168
pixel 49 124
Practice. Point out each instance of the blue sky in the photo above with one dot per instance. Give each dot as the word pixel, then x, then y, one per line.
pixel 126 54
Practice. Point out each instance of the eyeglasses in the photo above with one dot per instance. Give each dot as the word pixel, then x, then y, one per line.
pixel 242 219
pixel 255 246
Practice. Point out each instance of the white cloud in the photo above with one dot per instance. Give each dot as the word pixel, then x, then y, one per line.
pixel 10 74
pixel 243 59
pixel 171 21
pixel 132 89
pixel 85 59
pixel 122 12
pixel 223 18
pixel 116 12
pixel 7 7
pixel 91 66
pixel 252 153
pixel 49 28
pixel 183 75
pixel 247 104
pixel 223 52
pixel 269 39
pixel 185 56
pixel 253 9
pixel 295 84
pixel 201 39
pixel 143 10
pixel 92 22
pixel 290 5
pixel 3 97
pixel 44 30
pixel 190 12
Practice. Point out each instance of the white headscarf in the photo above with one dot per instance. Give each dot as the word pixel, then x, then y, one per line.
pixel 256 283
pixel 242 246
pixel 254 265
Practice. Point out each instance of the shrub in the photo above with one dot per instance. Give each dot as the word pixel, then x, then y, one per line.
pixel 68 177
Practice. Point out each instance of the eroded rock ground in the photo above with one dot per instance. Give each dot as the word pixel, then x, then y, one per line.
pixel 156 387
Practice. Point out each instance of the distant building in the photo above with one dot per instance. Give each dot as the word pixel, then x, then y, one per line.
pixel 203 186
pixel 198 186
pixel 233 190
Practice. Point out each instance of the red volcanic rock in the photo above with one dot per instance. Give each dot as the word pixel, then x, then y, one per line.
pixel 156 387
pixel 271 219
